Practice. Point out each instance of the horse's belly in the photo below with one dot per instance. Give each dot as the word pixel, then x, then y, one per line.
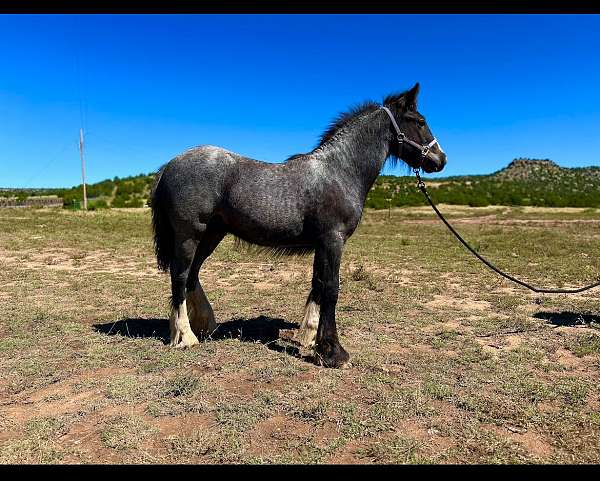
pixel 266 220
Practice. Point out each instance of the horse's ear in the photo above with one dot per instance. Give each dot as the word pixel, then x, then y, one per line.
pixel 411 97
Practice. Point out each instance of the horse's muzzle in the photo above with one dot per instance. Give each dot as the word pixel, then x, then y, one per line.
pixel 434 162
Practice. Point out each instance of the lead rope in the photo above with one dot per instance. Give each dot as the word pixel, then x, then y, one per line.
pixel 421 187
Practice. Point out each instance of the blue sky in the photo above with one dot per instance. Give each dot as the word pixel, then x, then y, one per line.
pixel 146 87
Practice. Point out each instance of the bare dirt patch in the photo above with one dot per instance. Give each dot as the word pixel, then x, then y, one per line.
pixel 441 301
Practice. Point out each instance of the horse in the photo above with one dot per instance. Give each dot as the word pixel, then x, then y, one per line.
pixel 310 203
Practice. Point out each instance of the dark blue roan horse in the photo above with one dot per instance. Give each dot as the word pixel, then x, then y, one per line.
pixel 310 203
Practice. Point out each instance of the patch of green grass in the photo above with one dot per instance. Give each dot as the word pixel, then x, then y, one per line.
pixel 572 391
pixel 176 407
pixel 483 446
pixel 361 274
pixel 214 447
pixel 398 450
pixel 159 360
pixel 239 416
pixel 526 354
pixel 527 388
pixel 125 432
pixel 39 444
pixel 186 448
pixel 125 388
pixel 401 403
pixel 314 413
pixel 28 451
pixel 349 423
pixel 445 338
pixel 585 345
pixel 472 353
pixel 181 385
pixel 47 427
pixel 437 389
pixel 85 385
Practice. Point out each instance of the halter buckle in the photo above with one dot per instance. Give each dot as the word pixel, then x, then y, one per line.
pixel 401 137
pixel 420 183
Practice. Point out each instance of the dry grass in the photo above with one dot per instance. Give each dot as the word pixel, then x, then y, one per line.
pixel 451 364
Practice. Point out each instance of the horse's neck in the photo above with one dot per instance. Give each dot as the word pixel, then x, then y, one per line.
pixel 358 155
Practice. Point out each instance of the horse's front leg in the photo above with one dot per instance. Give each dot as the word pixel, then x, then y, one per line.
pixel 328 256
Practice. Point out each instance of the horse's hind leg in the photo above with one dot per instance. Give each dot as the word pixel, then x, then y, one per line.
pixel 200 312
pixel 307 333
pixel 202 317
pixel 181 332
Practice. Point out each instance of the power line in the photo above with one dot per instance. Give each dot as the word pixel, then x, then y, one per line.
pixel 44 169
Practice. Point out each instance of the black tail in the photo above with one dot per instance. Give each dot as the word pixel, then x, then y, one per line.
pixel 163 232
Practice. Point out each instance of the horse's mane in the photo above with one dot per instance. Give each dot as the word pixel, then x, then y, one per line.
pixel 345 119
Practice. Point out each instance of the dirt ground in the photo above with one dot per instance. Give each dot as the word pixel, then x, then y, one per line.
pixel 451 364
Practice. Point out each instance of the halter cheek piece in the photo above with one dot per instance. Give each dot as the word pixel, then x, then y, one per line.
pixel 402 139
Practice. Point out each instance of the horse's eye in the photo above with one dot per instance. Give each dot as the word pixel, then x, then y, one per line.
pixel 421 122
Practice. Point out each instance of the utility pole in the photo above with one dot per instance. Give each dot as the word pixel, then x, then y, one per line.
pixel 82 168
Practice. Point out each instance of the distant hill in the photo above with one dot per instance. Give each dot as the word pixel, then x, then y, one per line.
pixel 527 169
pixel 535 182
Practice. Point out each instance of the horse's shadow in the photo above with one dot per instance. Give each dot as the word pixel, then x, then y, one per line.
pixel 263 329
pixel 567 318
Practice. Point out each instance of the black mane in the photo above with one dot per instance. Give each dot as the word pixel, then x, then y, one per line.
pixel 346 118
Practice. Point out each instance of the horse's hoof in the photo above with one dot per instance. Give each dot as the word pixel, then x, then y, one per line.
pixel 334 357
pixel 185 345
pixel 186 341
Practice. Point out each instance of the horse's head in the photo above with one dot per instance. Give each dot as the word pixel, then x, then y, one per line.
pixel 414 143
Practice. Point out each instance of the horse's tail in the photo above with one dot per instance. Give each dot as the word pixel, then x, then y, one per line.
pixel 164 245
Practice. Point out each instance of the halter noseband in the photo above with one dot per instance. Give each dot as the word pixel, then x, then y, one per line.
pixel 401 136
